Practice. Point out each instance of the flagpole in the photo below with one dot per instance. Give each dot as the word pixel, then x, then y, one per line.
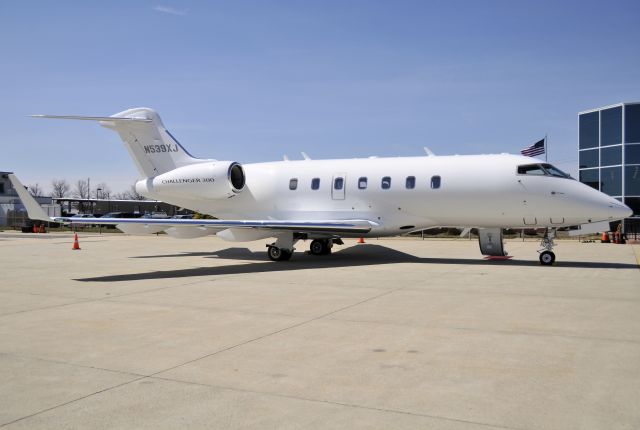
pixel 546 150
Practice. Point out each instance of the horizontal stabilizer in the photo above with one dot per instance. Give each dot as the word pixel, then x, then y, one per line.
pixel 93 118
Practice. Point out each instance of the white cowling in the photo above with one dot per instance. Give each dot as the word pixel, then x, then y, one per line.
pixel 210 180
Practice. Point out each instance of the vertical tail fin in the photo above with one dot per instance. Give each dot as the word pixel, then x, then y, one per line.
pixel 153 149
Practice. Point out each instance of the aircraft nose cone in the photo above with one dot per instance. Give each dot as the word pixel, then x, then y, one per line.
pixel 619 210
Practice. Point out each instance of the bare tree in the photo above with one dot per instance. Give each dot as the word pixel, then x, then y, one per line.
pixel 60 188
pixel 35 190
pixel 81 189
pixel 134 195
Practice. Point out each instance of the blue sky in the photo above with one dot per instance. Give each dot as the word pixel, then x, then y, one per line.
pixel 251 81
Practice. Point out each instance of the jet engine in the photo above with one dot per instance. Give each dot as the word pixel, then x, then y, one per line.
pixel 209 180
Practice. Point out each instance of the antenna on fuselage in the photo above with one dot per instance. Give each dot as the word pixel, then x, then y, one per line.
pixel 428 151
pixel 305 156
pixel 285 157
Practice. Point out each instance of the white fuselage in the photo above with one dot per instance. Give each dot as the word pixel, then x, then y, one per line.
pixel 474 191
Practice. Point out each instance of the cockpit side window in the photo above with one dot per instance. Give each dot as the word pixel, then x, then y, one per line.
pixel 531 169
pixel 554 171
pixel 542 170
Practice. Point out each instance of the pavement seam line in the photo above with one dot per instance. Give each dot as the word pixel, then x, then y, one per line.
pixel 194 360
pixel 332 402
pixel 507 332
pixel 301 323
pixel 71 401
pixel 384 293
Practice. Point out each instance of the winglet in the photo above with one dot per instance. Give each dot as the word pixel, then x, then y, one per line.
pixel 34 210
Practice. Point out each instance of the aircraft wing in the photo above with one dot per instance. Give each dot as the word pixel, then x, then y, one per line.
pixel 356 226
pixel 316 226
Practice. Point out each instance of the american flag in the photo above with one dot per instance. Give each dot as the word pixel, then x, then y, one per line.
pixel 534 150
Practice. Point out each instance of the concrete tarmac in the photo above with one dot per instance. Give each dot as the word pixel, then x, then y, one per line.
pixel 159 333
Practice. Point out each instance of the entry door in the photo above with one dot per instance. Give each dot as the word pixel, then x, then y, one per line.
pixel 338 185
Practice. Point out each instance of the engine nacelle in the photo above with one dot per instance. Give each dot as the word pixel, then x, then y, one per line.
pixel 209 180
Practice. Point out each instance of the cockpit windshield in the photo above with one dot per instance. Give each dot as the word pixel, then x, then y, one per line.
pixel 543 169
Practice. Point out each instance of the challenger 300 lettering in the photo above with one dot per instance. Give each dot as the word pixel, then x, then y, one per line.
pixel 326 200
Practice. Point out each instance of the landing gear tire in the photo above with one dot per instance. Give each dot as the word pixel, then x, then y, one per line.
pixel 547 258
pixel 278 254
pixel 320 247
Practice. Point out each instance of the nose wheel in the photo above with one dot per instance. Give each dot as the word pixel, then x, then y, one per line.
pixel 547 257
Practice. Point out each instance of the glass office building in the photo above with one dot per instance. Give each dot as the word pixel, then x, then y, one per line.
pixel 609 152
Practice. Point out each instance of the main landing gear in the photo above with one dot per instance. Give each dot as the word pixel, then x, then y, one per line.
pixel 547 257
pixel 321 246
pixel 282 248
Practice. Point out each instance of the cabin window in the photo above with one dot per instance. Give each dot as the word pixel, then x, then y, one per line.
pixel 386 183
pixel 410 183
pixel 338 183
pixel 315 183
pixel 362 183
pixel 435 182
pixel 293 183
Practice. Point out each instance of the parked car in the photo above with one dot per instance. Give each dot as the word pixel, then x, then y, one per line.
pixel 156 214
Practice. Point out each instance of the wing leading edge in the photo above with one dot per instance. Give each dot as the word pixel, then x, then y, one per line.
pixel 315 226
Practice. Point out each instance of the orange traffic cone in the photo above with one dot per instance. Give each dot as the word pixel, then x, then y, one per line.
pixel 361 240
pixel 35 228
pixel 605 237
pixel 42 228
pixel 76 245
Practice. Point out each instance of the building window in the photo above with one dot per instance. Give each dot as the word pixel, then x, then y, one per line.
pixel 362 183
pixel 435 182
pixel 632 154
pixel 610 156
pixel 632 180
pixel 589 130
pixel 589 158
pixel 410 183
pixel 1 188
pixel 591 178
pixel 315 183
pixel 386 183
pixel 338 183
pixel 634 204
pixel 611 126
pixel 632 123
pixel 293 183
pixel 611 181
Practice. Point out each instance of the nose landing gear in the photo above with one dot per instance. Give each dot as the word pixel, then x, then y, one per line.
pixel 547 257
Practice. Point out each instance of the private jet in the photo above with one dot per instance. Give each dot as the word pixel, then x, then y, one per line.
pixel 324 201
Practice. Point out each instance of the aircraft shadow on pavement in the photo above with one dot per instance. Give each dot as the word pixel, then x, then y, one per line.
pixel 361 255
